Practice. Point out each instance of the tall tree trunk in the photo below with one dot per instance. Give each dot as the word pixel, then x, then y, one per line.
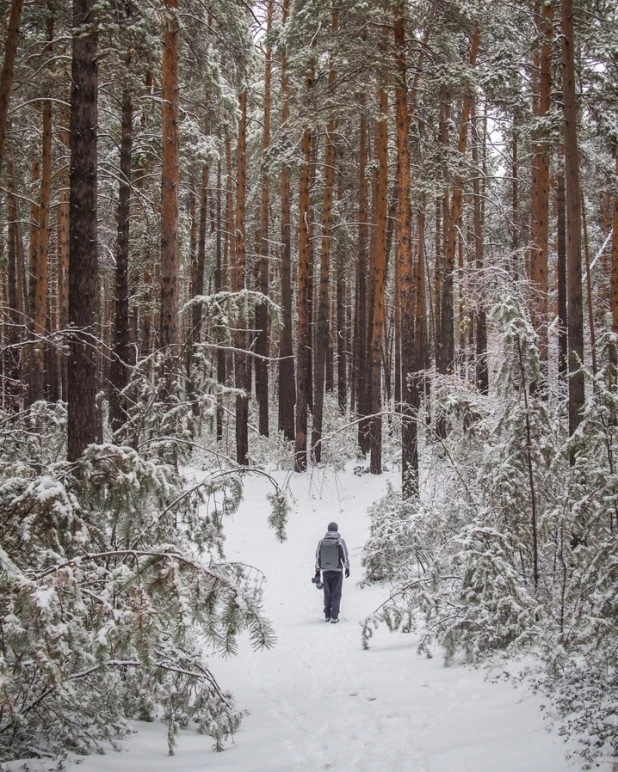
pixel 593 344
pixel 437 274
pixel 261 311
pixel 482 371
pixel 238 285
pixel 170 182
pixel 15 298
pixel 614 267
pixel 42 279
pixel 8 69
pixel 563 346
pixel 447 333
pixel 121 356
pixel 342 354
pixel 197 287
pixel 287 387
pixel 379 268
pixel 323 321
pixel 575 315
pixel 84 424
pixel 62 246
pixel 515 197
pixel 539 223
pixel 219 279
pixel 303 343
pixel 409 363
pixel 360 343
pixel 34 383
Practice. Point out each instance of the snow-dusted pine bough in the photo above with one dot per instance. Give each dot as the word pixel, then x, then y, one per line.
pixel 519 552
pixel 113 585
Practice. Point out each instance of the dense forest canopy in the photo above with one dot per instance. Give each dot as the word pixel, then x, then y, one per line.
pixel 238 233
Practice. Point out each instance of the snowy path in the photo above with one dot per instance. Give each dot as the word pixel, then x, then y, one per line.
pixel 319 702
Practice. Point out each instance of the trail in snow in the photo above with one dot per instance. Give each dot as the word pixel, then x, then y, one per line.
pixel 317 700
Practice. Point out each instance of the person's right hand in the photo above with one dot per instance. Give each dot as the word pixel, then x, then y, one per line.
pixel 347 573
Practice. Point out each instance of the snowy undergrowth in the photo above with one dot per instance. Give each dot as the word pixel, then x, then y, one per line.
pixel 517 555
pixel 114 584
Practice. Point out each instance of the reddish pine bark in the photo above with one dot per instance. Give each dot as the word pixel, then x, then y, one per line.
pixel 8 69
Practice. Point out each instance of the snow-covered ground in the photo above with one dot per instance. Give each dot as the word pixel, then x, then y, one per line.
pixel 317 700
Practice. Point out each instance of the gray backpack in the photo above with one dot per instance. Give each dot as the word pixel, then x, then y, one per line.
pixel 330 555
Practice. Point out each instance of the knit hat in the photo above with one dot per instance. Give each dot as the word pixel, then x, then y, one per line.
pixel 333 527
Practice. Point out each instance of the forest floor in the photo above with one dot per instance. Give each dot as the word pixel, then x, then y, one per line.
pixel 317 701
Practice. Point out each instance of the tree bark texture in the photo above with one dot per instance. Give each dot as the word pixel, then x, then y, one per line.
pixel 482 371
pixel 84 425
pixel 121 355
pixel 446 347
pixel 263 244
pixel 323 319
pixel 614 265
pixel 303 340
pixel 409 363
pixel 238 285
pixel 379 273
pixel 287 386
pixel 8 69
pixel 360 342
pixel 539 221
pixel 170 179
pixel 575 315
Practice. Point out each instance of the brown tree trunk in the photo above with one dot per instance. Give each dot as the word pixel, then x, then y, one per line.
pixel 614 266
pixel 42 281
pixel 539 223
pixel 219 285
pixel 593 345
pixel 121 356
pixel 323 321
pixel 263 244
pixel 84 424
pixel 409 363
pixel 379 268
pixel 360 343
pixel 238 285
pixel 198 274
pixel 34 383
pixel 575 316
pixel 447 333
pixel 563 347
pixel 303 341
pixel 437 279
pixel 170 181
pixel 342 354
pixel 62 246
pixel 482 372
pixel 287 387
pixel 8 69
pixel 515 198
pixel 15 297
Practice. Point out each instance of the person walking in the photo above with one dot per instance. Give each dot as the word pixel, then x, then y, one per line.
pixel 331 558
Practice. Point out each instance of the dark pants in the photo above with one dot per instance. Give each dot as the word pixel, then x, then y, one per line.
pixel 333 585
